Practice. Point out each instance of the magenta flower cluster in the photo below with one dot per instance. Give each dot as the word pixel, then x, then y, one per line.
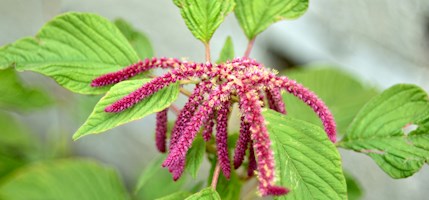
pixel 243 81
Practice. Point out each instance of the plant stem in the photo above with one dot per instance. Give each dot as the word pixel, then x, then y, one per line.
pixel 249 47
pixel 215 176
pixel 207 45
pixel 175 109
pixel 185 92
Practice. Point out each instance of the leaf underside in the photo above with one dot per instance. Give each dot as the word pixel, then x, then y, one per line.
pixel 255 16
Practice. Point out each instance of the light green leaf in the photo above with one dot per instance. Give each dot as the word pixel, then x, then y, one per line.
pixel 65 180
pixel 307 162
pixel 156 182
pixel 205 194
pixel 100 121
pixel 378 130
pixel 195 156
pixel 73 49
pixel 176 196
pixel 138 40
pixel 203 17
pixel 16 95
pixel 227 52
pixel 354 190
pixel 255 16
pixel 342 93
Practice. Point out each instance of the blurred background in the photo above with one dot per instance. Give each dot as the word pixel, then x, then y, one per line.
pixel 379 42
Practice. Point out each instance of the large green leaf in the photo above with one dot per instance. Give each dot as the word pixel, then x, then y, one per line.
pixel 100 121
pixel 255 16
pixel 16 95
pixel 156 182
pixel 203 17
pixel 342 93
pixel 195 156
pixel 73 49
pixel 205 194
pixel 138 40
pixel 307 162
pixel 227 52
pixel 383 130
pixel 64 179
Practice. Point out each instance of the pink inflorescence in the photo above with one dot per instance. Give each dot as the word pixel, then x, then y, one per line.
pixel 241 80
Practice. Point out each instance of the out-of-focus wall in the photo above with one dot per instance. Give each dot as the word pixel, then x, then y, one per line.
pixel 381 41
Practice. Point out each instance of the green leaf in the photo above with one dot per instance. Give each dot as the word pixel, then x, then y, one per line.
pixel 156 182
pixel 307 162
pixel 342 93
pixel 15 144
pixel 195 156
pixel 378 130
pixel 16 95
pixel 203 17
pixel 176 196
pixel 255 16
pixel 354 190
pixel 100 121
pixel 138 40
pixel 227 52
pixel 205 194
pixel 64 179
pixel 73 49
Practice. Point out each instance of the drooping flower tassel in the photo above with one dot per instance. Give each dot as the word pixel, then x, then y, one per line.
pixel 161 130
pixel 222 139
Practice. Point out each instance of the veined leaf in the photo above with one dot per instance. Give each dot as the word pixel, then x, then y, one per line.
pixel 393 129
pixel 205 194
pixel 138 40
pixel 64 179
pixel 156 182
pixel 307 162
pixel 343 94
pixel 195 156
pixel 255 16
pixel 73 49
pixel 203 17
pixel 100 121
pixel 227 52
pixel 14 94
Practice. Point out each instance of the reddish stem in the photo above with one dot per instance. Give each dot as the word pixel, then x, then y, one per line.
pixel 249 47
pixel 207 46
pixel 215 176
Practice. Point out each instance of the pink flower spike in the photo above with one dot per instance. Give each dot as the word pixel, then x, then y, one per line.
pixel 188 135
pixel 252 161
pixel 188 111
pixel 153 86
pixel 314 102
pixel 222 139
pixel 161 130
pixel 275 100
pixel 261 142
pixel 208 128
pixel 133 70
pixel 242 143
